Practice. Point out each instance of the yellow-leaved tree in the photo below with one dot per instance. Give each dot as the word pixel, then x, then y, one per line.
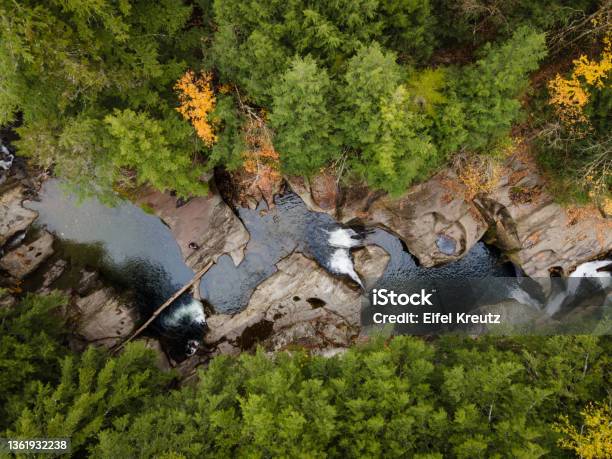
pixel 570 95
pixel 197 101
pixel 593 440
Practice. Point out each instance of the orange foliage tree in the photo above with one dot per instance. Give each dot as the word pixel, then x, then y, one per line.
pixel 261 167
pixel 197 101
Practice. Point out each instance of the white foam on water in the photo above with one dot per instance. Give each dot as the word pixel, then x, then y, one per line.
pixel 6 163
pixel 192 312
pixel 341 263
pixel 192 346
pixel 523 297
pixel 589 270
pixel 343 238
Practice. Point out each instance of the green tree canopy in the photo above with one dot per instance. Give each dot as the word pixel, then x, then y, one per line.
pixel 31 336
pixel 68 64
pixel 302 118
pixel 489 89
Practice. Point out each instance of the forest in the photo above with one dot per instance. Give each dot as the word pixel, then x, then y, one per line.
pixel 405 397
pixel 110 95
pixel 114 94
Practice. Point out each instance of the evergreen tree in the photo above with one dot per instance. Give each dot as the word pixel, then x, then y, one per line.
pixel 229 149
pixel 150 146
pixel 68 64
pixel 93 392
pixel 302 119
pixel 489 89
pixel 455 397
pixel 390 140
pixel 31 335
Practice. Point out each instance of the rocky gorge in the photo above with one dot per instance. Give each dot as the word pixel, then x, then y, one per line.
pixel 299 302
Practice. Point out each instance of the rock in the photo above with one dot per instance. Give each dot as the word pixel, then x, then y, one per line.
pixel 370 262
pixel 320 194
pixel 6 161
pixel 539 234
pixel 13 216
pixel 434 219
pixel 300 186
pixel 89 280
pixel 103 318
pixel 53 273
pixel 205 223
pixel 300 304
pixel 161 358
pixel 324 191
pixel 6 300
pixel 332 352
pixel 26 258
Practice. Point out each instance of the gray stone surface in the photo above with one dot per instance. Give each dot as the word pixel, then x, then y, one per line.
pixel 206 221
pixel 13 216
pixel 538 233
pixel 26 258
pixel 103 318
pixel 370 262
pixel 300 304
pixel 429 213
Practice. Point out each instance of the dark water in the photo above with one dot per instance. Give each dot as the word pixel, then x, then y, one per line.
pixel 135 251
pixel 125 233
pixel 139 252
pixel 274 234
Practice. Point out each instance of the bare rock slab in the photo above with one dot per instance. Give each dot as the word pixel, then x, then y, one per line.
pixel 205 227
pixel 434 219
pixel 370 262
pixel 300 304
pixel 539 233
pixel 13 216
pixel 320 193
pixel 103 318
pixel 26 258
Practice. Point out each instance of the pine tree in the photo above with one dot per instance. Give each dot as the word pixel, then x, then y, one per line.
pixel 390 141
pixel 97 57
pixel 31 347
pixel 93 391
pixel 490 88
pixel 156 149
pixel 302 119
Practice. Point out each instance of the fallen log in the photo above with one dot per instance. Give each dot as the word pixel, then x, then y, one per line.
pixel 160 309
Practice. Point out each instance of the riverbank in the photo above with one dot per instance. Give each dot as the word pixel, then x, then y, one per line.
pixel 266 287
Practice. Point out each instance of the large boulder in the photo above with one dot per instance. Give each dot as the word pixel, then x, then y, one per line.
pixel 26 258
pixel 14 218
pixel 300 304
pixel 370 262
pixel 103 318
pixel 535 231
pixel 205 223
pixel 320 193
pixel 435 220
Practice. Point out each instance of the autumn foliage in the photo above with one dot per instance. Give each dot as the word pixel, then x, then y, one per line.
pixel 594 439
pixel 570 95
pixel 197 101
pixel 260 172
